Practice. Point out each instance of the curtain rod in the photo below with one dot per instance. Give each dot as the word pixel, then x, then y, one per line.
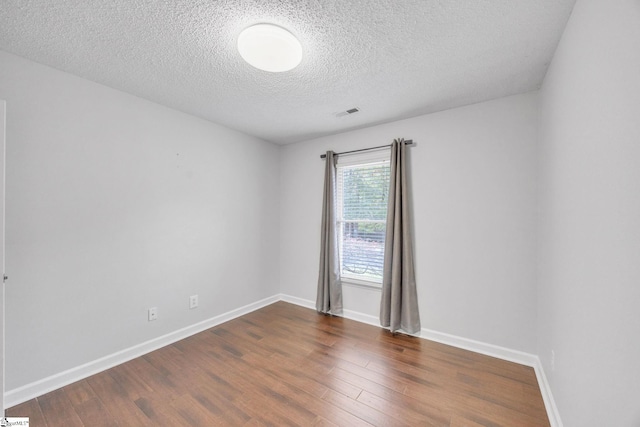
pixel 407 142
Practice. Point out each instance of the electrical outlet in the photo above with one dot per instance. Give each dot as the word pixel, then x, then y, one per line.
pixel 153 313
pixel 193 301
pixel 553 360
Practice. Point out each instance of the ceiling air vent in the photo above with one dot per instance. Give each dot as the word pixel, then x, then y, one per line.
pixel 347 112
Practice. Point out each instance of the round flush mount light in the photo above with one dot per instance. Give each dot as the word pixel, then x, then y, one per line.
pixel 270 48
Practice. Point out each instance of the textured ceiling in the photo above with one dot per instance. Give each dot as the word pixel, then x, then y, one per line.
pixel 392 59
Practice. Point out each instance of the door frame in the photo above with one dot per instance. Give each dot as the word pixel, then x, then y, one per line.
pixel 3 132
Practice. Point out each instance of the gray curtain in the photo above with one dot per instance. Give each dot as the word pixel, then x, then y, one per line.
pixel 329 298
pixel 399 304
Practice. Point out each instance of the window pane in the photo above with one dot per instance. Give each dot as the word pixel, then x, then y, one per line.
pixel 363 249
pixel 362 198
pixel 365 192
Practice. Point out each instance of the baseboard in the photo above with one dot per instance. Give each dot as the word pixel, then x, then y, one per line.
pixel 499 352
pixel 492 350
pixel 547 396
pixel 347 314
pixel 460 342
pixel 510 355
pixel 54 382
pixel 297 301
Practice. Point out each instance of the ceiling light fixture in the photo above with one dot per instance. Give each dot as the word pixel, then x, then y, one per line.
pixel 270 48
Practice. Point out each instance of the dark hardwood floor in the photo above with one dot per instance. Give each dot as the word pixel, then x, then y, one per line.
pixel 285 365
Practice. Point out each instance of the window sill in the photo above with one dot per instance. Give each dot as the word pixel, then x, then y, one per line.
pixel 361 283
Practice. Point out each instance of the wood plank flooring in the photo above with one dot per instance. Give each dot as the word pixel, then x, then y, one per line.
pixel 285 365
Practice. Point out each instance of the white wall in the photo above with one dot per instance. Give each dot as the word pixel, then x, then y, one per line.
pixel 474 173
pixel 589 279
pixel 116 204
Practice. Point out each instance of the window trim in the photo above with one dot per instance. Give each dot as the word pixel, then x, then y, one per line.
pixel 359 283
pixel 378 156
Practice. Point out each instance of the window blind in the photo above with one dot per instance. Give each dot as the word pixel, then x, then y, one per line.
pixel 362 211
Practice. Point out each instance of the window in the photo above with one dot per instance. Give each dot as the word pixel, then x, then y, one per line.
pixel 363 188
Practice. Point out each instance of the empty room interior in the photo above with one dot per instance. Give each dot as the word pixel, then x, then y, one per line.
pixel 172 233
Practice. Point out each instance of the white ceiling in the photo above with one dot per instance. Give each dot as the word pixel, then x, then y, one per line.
pixel 393 59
